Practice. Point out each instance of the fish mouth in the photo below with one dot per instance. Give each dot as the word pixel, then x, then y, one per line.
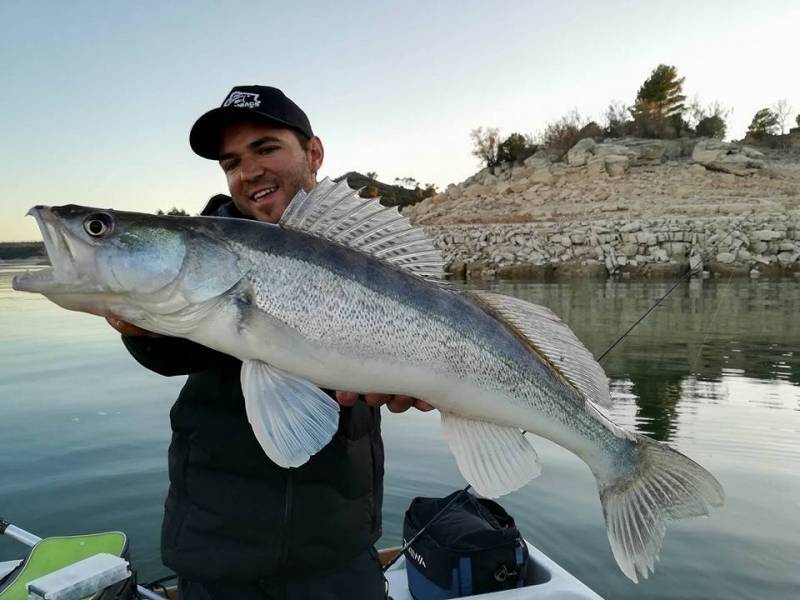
pixel 57 249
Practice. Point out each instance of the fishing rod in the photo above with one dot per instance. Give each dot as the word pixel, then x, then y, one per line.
pixel 689 272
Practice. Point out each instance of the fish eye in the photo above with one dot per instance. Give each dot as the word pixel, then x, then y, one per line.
pixel 98 224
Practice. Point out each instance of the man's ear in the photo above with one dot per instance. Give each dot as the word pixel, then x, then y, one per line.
pixel 315 153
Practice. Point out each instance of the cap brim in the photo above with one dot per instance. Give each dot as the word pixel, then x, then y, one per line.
pixel 205 137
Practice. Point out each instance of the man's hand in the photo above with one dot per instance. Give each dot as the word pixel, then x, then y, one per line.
pixel 395 404
pixel 126 328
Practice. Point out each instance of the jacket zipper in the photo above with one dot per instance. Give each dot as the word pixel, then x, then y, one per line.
pixel 287 511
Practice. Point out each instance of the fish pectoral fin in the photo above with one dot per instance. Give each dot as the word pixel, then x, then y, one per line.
pixel 292 418
pixel 494 459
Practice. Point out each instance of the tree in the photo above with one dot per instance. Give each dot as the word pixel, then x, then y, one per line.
pixel 178 212
pixel 658 110
pixel 371 175
pixel 797 120
pixel 484 145
pixel 515 148
pixel 764 123
pixel 782 110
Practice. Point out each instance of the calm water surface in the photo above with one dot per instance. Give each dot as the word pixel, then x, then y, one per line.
pixel 714 371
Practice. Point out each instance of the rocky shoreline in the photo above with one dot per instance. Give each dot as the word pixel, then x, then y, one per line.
pixel 626 208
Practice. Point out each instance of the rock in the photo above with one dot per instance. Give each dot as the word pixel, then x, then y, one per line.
pixel 660 255
pixel 647 238
pixel 580 153
pixel 519 186
pixel 475 190
pixel 631 227
pixel 786 247
pixel 698 170
pixel 595 166
pixel 453 191
pixel 541 175
pixel 645 150
pixel 787 258
pixel 604 150
pixel 521 172
pixel 458 269
pixel 726 257
pixel 751 152
pixel 540 158
pixel 616 165
pixel 755 274
pixel 765 235
pixel 726 157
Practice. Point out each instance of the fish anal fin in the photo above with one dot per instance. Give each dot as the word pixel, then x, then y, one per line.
pixel 291 418
pixel 494 459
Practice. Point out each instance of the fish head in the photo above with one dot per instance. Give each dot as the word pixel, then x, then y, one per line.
pixel 127 265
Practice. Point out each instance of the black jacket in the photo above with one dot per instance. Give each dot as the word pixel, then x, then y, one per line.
pixel 231 513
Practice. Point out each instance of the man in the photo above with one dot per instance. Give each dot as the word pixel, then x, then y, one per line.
pixel 236 525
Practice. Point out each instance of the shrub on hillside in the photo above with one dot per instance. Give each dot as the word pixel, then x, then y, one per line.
pixel 515 148
pixel 484 145
pixel 561 135
pixel 713 126
pixel 617 120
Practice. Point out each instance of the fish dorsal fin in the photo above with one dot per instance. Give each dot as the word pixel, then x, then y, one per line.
pixel 335 212
pixel 551 338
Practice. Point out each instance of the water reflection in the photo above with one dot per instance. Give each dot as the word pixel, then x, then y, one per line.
pixel 705 331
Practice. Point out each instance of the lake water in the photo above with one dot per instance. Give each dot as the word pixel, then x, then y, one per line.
pixel 714 371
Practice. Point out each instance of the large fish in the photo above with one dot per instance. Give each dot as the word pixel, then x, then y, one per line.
pixel 346 294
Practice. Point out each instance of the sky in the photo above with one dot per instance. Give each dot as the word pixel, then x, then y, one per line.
pixel 97 98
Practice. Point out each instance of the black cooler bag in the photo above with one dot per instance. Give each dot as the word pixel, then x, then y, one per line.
pixel 474 547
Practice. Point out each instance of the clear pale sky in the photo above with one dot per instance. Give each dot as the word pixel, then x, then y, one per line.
pixel 97 98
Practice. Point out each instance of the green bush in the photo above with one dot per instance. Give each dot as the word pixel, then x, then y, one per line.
pixel 765 122
pixel 713 126
pixel 515 148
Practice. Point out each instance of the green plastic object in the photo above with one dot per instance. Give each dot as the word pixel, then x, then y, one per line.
pixel 55 553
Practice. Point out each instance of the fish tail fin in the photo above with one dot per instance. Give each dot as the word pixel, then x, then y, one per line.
pixel 663 484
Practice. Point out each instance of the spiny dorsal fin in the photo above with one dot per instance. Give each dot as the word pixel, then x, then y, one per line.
pixel 335 212
pixel 549 336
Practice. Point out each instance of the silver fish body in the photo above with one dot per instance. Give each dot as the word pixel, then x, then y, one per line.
pixel 303 311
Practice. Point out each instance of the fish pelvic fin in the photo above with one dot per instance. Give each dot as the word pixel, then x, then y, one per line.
pixel 336 213
pixel 291 418
pixel 664 484
pixel 494 459
pixel 552 341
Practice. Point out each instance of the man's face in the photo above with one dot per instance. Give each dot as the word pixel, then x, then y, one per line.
pixel 266 166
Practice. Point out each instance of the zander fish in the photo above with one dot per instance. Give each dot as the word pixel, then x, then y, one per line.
pixel 346 294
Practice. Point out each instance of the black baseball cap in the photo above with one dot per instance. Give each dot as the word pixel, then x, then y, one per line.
pixel 246 102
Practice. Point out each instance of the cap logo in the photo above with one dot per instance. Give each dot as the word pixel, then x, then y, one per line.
pixel 242 100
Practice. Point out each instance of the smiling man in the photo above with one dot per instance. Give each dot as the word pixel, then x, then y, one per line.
pixel 236 525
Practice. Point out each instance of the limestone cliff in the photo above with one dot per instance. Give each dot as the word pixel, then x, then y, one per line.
pixel 635 206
